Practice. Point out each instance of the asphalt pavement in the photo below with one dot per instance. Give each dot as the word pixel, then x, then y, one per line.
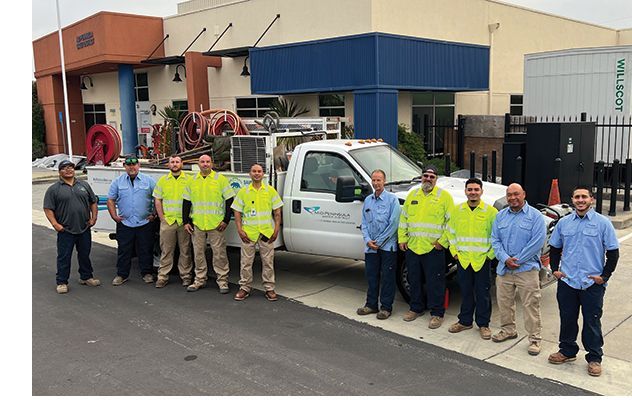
pixel 138 340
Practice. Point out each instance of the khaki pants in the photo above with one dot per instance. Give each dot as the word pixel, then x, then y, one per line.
pixel 266 251
pixel 527 284
pixel 170 235
pixel 220 259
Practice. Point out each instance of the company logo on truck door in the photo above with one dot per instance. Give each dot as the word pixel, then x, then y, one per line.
pixel 620 85
pixel 328 216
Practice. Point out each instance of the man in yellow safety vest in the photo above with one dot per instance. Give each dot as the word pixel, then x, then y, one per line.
pixel 469 233
pixel 422 235
pixel 253 208
pixel 206 214
pixel 168 202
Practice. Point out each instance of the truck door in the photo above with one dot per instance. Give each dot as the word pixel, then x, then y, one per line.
pixel 319 224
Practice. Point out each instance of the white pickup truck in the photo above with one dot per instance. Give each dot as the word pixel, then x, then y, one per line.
pixel 322 189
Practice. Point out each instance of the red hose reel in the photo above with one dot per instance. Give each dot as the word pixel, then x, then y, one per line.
pixel 103 144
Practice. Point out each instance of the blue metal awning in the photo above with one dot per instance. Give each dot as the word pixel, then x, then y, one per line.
pixel 369 61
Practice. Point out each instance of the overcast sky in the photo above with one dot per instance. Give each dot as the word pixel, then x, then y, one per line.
pixel 612 13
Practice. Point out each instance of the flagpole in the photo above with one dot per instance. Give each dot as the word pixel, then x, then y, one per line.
pixel 63 77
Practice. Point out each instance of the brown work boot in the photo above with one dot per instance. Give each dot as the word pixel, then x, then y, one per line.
pixel 363 311
pixel 271 295
pixel 118 280
pixel 241 295
pixel 435 322
pixel 91 282
pixel 161 283
pixel 62 288
pixel 594 369
pixel 196 286
pixel 148 279
pixel 503 336
pixel 486 332
pixel 458 327
pixel 383 314
pixel 560 358
pixel 411 315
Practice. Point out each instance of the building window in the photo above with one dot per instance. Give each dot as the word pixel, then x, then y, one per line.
pixel 93 114
pixel 331 105
pixel 515 107
pixel 433 119
pixel 182 106
pixel 141 86
pixel 253 106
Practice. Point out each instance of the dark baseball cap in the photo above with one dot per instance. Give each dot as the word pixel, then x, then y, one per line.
pixel 65 163
pixel 431 169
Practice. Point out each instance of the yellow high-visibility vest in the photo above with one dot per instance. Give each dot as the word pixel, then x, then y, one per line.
pixel 170 190
pixel 208 195
pixel 470 232
pixel 255 206
pixel 423 220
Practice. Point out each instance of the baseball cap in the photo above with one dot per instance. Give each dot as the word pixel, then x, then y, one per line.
pixel 431 169
pixel 65 163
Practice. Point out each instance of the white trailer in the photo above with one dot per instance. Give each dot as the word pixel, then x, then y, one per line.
pixel 598 81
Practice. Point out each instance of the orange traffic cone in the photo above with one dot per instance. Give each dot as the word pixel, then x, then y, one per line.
pixel 554 195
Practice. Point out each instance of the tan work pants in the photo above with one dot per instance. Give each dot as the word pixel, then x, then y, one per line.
pixel 170 236
pixel 266 251
pixel 220 259
pixel 527 285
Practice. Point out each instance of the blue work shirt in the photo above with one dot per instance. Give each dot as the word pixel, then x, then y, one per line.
pixel 584 242
pixel 134 201
pixel 521 235
pixel 380 218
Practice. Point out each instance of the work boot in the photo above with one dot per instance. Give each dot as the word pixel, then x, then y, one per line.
pixel 271 295
pixel 148 279
pixel 486 332
pixel 436 322
pixel 559 358
pixel 224 290
pixel 241 295
pixel 91 282
pixel 534 348
pixel 383 315
pixel 503 336
pixel 458 327
pixel 62 288
pixel 196 286
pixel 186 282
pixel 118 280
pixel 594 369
pixel 363 311
pixel 161 283
pixel 411 315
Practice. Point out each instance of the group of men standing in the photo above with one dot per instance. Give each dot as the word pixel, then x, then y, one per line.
pixel 191 209
pixel 475 234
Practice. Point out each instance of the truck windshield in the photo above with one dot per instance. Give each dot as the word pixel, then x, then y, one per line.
pixel 396 166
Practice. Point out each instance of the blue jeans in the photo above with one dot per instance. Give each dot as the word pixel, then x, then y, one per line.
pixel 66 242
pixel 590 300
pixel 475 293
pixel 380 271
pixel 140 239
pixel 428 268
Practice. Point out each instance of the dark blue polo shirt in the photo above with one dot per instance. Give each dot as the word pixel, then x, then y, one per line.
pixel 71 204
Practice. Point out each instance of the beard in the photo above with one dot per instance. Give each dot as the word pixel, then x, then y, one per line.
pixel 427 187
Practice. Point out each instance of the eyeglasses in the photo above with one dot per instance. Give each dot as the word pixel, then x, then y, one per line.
pixel 67 167
pixel 427 176
pixel 131 160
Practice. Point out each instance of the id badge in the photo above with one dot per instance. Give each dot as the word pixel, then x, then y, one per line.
pixel 253 212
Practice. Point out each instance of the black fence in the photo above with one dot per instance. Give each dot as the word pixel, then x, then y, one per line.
pixel 443 137
pixel 613 165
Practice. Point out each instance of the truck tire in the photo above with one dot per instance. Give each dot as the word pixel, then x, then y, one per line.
pixel 402 275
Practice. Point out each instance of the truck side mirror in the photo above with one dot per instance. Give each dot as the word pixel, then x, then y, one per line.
pixel 347 191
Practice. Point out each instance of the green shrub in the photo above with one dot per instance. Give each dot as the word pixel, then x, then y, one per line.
pixel 410 143
pixel 38 132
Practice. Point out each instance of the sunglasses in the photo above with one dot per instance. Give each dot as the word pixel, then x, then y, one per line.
pixel 429 176
pixel 131 160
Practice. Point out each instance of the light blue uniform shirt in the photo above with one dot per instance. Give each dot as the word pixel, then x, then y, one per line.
pixel 584 241
pixel 380 218
pixel 521 235
pixel 134 201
